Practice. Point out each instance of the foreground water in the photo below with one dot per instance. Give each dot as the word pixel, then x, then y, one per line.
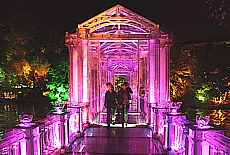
pixel 10 110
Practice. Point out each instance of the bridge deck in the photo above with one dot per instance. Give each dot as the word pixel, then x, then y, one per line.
pixel 117 140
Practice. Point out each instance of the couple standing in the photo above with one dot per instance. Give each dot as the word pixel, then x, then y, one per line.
pixel 114 99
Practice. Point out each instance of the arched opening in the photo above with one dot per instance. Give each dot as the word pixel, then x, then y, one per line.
pixel 119 80
pixel 128 47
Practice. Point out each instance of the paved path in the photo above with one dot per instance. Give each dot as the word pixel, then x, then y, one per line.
pixel 117 140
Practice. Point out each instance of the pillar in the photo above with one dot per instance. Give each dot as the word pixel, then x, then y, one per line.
pixel 85 70
pixel 154 71
pixel 164 96
pixel 61 129
pixel 74 77
pixel 153 95
pixel 32 143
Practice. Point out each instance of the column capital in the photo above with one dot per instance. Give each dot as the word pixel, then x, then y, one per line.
pixel 85 41
pixel 154 41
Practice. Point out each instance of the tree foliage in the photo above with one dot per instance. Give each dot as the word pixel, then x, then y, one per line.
pixel 58 83
pixel 181 71
pixel 201 70
pixel 26 49
pixel 214 68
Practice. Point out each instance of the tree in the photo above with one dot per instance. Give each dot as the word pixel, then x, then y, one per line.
pixel 181 71
pixel 213 70
pixel 2 75
pixel 218 10
pixel 58 83
pixel 27 48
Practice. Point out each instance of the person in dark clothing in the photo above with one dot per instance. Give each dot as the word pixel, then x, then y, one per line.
pixel 142 99
pixel 123 99
pixel 110 104
pixel 129 91
pixel 119 99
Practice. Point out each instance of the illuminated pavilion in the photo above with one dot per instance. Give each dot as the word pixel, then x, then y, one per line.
pixel 115 46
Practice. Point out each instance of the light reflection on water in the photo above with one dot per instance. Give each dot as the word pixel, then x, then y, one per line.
pixel 218 117
pixel 221 117
pixel 9 112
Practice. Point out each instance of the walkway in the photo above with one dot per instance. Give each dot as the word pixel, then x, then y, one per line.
pixel 116 140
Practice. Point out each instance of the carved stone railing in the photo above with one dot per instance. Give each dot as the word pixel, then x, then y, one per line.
pixel 219 144
pixel 55 133
pixel 181 136
pixel 10 142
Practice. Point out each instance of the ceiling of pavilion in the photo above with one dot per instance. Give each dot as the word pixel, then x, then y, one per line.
pixel 119 48
pixel 121 20
pixel 120 54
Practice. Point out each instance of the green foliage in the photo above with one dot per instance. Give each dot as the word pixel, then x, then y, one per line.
pixel 202 93
pixel 27 49
pixel 2 74
pixel 58 83
pixel 208 65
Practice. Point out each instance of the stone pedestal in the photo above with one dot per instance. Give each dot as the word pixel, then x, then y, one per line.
pixel 61 129
pixel 32 143
pixel 175 132
pixel 196 141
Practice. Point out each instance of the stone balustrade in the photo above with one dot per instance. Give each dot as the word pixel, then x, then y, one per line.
pixel 181 136
pixel 55 133
pixel 58 131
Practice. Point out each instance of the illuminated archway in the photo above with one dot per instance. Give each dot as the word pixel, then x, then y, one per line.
pixel 118 42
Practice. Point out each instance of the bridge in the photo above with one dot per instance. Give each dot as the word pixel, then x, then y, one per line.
pixel 116 46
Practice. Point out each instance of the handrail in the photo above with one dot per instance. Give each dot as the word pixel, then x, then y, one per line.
pixel 56 131
pixel 219 141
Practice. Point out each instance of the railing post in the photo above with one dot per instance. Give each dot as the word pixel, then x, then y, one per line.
pixel 197 140
pixel 61 130
pixel 151 115
pixel 201 147
pixel 170 132
pixel 31 144
pixel 75 122
pixel 175 133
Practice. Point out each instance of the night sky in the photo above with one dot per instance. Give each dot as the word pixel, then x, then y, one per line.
pixel 187 19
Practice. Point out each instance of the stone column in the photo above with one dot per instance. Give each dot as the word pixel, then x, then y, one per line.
pixel 85 70
pixel 154 71
pixel 164 76
pixel 74 75
pixel 153 94
pixel 73 46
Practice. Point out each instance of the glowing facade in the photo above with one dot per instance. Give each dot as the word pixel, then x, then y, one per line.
pixel 118 44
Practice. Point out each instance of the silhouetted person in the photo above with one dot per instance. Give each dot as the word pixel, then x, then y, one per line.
pixel 129 91
pixel 124 100
pixel 142 99
pixel 110 104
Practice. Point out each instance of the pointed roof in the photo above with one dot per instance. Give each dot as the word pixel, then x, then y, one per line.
pixel 119 15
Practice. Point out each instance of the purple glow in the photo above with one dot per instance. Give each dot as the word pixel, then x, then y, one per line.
pixel 85 71
pixel 101 50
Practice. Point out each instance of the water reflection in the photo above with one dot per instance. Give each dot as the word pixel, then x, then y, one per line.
pixel 219 117
pixel 222 118
pixel 9 112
